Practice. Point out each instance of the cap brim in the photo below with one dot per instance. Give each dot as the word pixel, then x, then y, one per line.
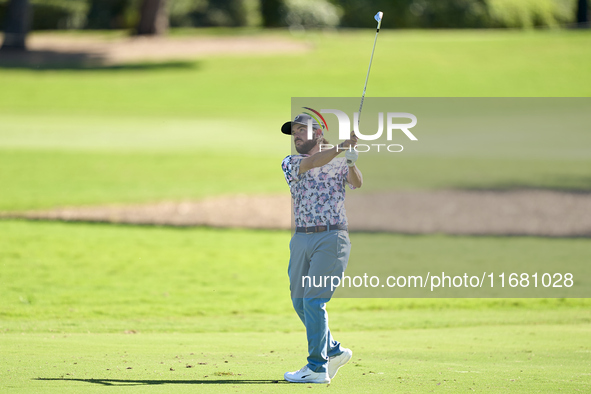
pixel 286 128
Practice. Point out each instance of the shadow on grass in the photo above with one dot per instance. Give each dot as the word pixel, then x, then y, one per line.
pixel 80 61
pixel 126 382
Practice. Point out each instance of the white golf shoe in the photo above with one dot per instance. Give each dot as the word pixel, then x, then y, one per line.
pixel 334 363
pixel 306 375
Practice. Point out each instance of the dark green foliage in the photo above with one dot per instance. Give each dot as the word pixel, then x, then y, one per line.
pixel 17 25
pixel 271 13
pixel 583 13
pixel 221 13
pixel 415 13
pixel 52 14
pixel 207 13
pixel 112 14
pixel 458 13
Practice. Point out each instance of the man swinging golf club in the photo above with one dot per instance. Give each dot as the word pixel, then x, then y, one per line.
pixel 320 245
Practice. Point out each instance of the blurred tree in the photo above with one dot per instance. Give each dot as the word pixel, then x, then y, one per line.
pixel 111 14
pixel 582 13
pixel 314 14
pixel 153 18
pixel 227 12
pixel 271 13
pixel 18 17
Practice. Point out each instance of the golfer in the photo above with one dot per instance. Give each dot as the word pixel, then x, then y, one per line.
pixel 320 245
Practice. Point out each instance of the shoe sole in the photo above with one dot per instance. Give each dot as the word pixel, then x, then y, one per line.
pixel 306 381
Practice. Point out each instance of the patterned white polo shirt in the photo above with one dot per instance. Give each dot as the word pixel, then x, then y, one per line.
pixel 318 194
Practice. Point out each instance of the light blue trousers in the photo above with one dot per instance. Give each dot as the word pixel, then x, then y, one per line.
pixel 316 256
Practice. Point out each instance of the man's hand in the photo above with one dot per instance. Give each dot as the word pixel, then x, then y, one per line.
pixel 351 156
pixel 351 142
pixel 354 176
pixel 349 147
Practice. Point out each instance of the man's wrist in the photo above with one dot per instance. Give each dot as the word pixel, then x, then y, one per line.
pixel 336 149
pixel 351 156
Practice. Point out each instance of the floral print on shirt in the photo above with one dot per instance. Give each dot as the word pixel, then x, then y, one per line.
pixel 318 194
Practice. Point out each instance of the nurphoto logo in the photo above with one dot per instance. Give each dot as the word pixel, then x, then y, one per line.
pixel 345 128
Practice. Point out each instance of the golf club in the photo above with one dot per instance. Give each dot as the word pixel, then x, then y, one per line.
pixel 378 18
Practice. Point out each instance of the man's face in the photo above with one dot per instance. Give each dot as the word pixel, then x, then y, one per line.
pixel 300 138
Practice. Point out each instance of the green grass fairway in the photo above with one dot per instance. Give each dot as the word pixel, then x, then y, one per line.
pixel 407 64
pixel 82 137
pixel 105 308
pixel 41 179
pixel 220 297
pixel 516 358
pixel 89 308
pixel 34 179
pixel 48 161
pixel 80 273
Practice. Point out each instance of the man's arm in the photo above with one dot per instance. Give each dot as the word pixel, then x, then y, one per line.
pixel 318 159
pixel 321 158
pixel 354 177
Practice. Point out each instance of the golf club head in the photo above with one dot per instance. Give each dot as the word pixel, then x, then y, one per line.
pixel 378 17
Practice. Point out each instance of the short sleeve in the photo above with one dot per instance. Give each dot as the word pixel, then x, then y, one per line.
pixel 291 166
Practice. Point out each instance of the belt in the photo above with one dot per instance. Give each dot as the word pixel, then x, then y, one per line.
pixel 319 229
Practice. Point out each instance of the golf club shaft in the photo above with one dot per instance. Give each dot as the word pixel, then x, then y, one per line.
pixel 368 69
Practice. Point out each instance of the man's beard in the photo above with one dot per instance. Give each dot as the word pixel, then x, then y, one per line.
pixel 305 147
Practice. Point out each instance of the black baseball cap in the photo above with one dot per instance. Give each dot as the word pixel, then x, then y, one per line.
pixel 300 119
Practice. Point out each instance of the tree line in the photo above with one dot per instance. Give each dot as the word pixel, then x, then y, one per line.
pixel 153 17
